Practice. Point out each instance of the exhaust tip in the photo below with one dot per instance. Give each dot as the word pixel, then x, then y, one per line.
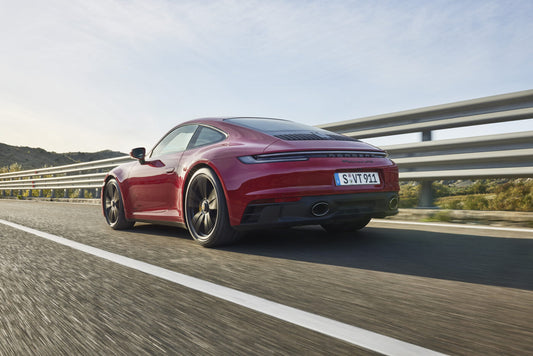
pixel 393 203
pixel 320 209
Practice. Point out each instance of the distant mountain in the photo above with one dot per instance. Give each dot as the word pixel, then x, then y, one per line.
pixel 31 158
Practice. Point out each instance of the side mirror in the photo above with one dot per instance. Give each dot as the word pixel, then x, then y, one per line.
pixel 139 153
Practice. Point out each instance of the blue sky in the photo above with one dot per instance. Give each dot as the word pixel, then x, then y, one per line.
pixel 116 74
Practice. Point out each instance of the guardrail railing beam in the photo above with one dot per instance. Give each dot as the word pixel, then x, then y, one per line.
pixel 425 156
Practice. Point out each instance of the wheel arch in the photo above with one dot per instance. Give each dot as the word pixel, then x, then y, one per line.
pixel 125 198
pixel 190 173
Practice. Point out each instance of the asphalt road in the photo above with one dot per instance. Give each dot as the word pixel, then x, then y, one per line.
pixel 449 289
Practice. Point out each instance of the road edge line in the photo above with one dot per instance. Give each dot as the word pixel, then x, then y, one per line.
pixel 352 334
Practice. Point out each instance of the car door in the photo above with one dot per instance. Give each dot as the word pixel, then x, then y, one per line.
pixel 154 185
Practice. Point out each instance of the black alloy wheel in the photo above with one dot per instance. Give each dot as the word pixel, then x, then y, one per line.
pixel 206 213
pixel 113 206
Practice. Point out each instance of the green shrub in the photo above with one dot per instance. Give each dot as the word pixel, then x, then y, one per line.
pixel 475 202
pixel 488 194
pixel 441 216
pixel 409 194
pixel 441 190
pixel 452 203
pixel 516 195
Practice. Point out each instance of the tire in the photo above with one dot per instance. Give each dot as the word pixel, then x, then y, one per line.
pixel 206 212
pixel 114 207
pixel 348 226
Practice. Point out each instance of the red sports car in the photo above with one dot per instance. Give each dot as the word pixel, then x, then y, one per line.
pixel 218 177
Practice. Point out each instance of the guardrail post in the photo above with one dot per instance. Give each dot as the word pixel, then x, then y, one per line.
pixel 426 135
pixel 425 198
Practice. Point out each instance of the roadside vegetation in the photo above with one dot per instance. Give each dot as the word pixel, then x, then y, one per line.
pixel 486 194
pixel 15 167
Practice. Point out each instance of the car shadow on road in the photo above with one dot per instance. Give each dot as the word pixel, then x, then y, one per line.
pixel 505 262
pixel 160 230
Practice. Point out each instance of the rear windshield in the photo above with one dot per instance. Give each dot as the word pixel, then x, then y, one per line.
pixel 287 130
pixel 272 126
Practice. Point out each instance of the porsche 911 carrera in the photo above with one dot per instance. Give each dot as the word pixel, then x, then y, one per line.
pixel 220 177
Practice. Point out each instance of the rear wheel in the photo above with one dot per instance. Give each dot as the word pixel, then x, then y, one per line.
pixel 206 212
pixel 114 207
pixel 347 226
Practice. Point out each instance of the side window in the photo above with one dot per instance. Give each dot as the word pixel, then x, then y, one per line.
pixel 207 136
pixel 175 141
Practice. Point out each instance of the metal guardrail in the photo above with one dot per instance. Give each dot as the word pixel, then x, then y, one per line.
pixel 68 181
pixel 491 109
pixel 492 156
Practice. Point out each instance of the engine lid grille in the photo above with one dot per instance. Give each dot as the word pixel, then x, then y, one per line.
pixel 311 136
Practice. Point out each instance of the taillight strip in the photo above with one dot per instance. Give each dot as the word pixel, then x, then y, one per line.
pixel 306 155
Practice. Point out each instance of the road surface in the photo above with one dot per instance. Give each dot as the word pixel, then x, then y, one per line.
pixel 449 289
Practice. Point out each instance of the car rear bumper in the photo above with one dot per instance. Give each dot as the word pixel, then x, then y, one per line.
pixel 313 210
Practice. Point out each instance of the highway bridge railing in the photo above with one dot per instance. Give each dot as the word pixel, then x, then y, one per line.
pixel 507 155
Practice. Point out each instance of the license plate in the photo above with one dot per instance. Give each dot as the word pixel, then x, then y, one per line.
pixel 357 178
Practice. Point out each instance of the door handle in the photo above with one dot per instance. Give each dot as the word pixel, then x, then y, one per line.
pixel 170 170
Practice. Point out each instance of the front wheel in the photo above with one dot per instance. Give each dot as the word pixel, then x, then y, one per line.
pixel 348 226
pixel 114 207
pixel 206 213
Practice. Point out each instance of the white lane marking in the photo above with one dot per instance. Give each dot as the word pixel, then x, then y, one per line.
pixel 351 334
pixel 458 226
